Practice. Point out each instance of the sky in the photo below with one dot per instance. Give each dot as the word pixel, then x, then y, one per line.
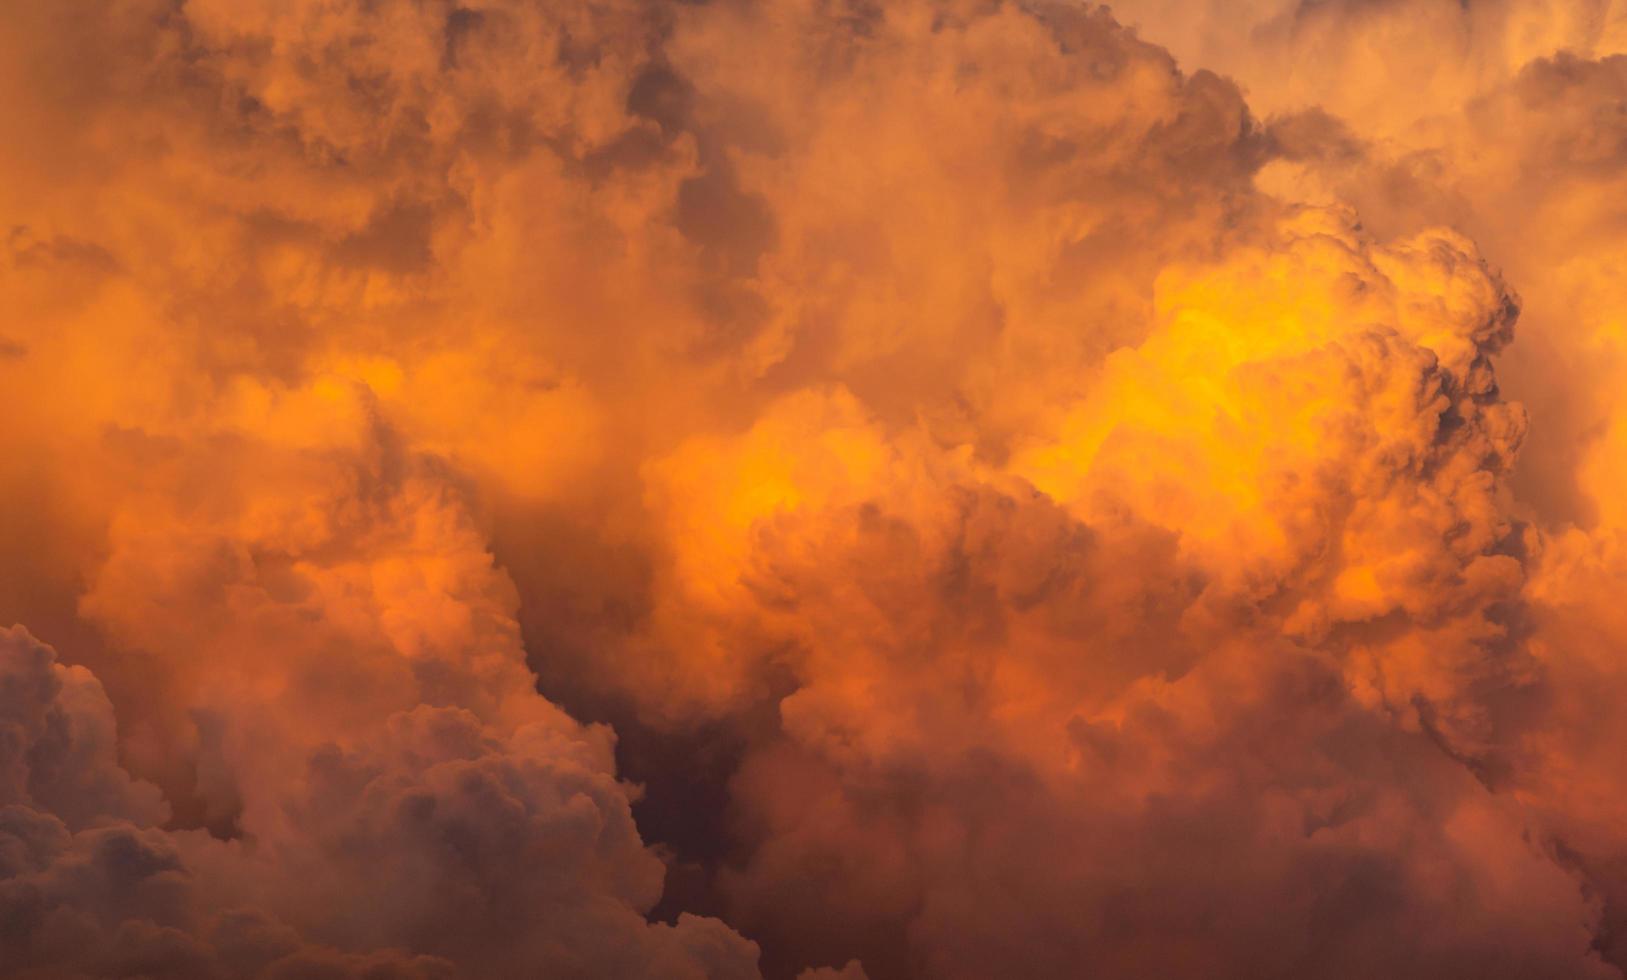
pixel 813 489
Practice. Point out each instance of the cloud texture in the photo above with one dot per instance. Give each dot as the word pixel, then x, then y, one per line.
pixel 825 488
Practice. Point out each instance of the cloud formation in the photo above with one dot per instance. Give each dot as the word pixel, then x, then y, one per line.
pixel 923 489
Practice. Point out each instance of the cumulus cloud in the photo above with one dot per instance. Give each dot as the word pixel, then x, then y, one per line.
pixel 935 488
pixel 392 806
pixel 1284 497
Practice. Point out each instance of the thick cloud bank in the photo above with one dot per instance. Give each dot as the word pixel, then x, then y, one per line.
pixel 768 488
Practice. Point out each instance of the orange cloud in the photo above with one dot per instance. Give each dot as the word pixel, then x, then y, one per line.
pixel 924 489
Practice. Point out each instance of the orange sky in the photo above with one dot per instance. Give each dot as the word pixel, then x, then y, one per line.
pixel 823 489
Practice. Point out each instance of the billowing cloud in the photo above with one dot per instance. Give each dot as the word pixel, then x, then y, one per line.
pixel 934 488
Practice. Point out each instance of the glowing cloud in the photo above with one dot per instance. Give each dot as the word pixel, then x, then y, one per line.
pixel 824 488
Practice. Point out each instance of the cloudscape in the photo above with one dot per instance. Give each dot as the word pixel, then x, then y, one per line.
pixel 813 489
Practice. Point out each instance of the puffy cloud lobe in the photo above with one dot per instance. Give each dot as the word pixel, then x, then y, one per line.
pixel 1331 448
pixel 60 744
pixel 402 801
pixel 500 855
pixel 990 677
pixel 1524 107
pixel 88 885
pixel 1344 472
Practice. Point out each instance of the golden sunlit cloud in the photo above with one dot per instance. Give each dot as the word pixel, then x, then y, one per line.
pixel 819 489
